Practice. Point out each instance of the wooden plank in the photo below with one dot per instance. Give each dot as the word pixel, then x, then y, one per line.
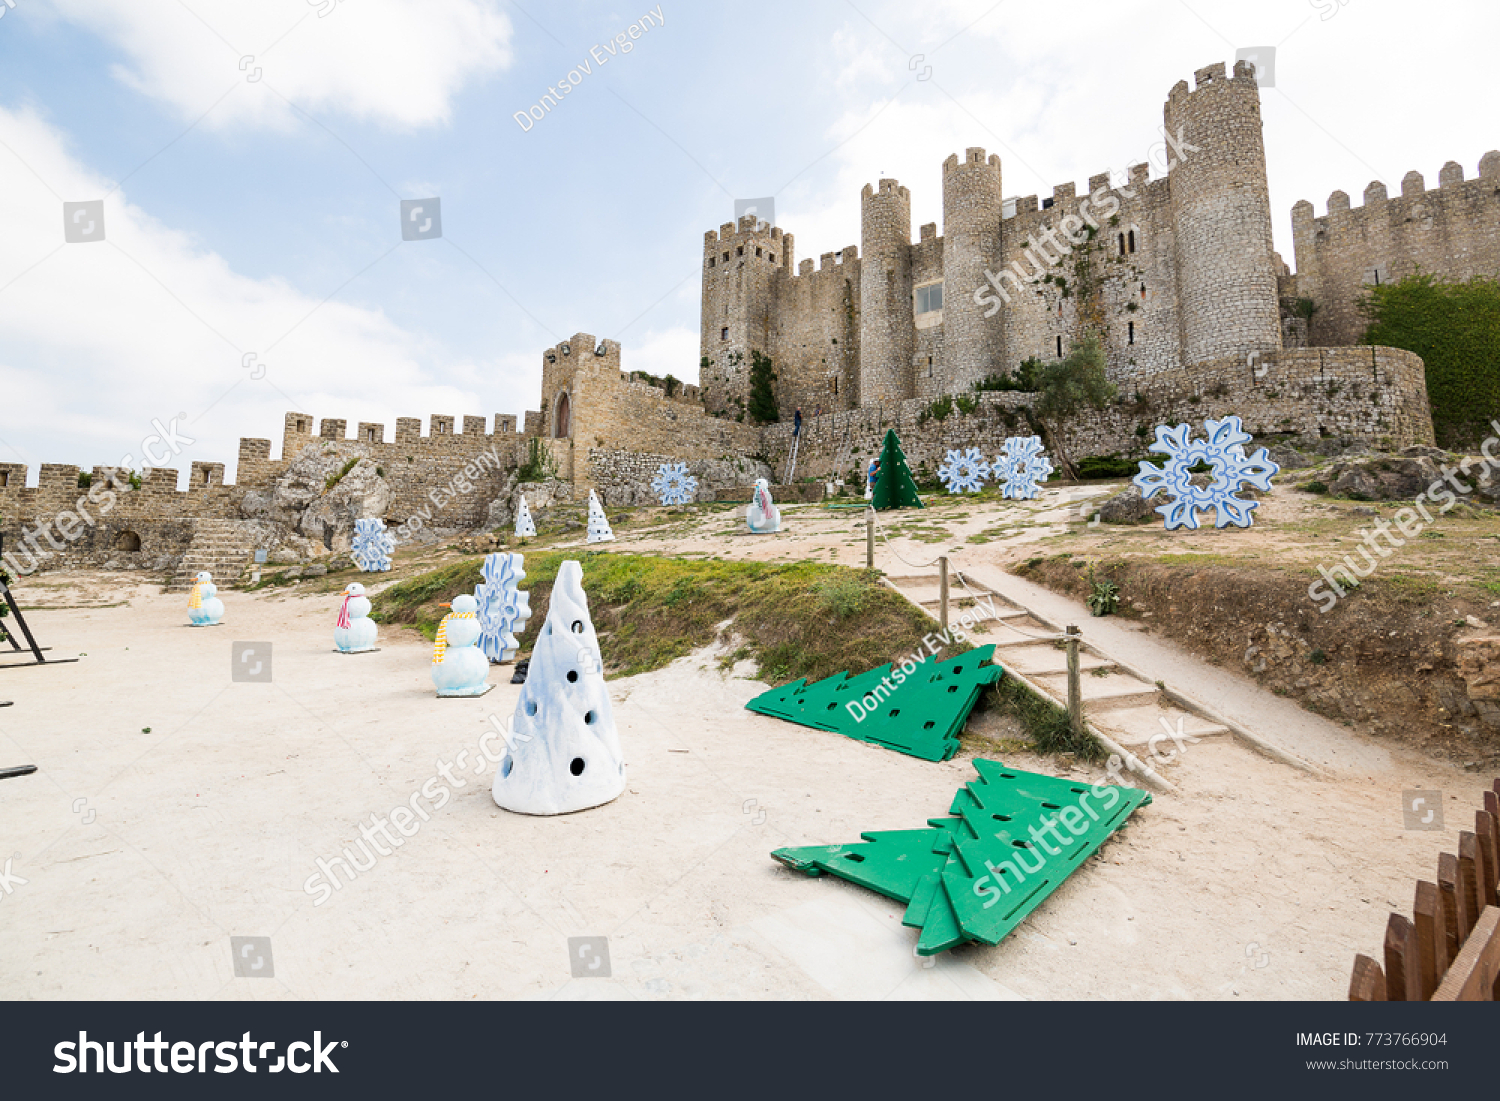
pixel 1468 873
pixel 1455 915
pixel 1402 976
pixel 1489 852
pixel 1475 975
pixel 1432 941
pixel 1368 981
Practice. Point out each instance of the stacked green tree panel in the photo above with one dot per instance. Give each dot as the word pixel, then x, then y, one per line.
pixel 1010 840
pixel 920 713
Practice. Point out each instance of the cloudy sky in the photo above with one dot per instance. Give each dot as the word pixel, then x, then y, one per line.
pixel 252 159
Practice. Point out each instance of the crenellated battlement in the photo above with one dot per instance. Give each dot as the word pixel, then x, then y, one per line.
pixel 1451 183
pixel 1451 230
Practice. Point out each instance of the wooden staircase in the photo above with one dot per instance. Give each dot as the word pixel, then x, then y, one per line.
pixel 1126 710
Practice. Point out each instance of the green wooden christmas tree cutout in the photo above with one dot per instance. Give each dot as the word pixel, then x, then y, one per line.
pixel 919 713
pixel 895 487
pixel 1011 839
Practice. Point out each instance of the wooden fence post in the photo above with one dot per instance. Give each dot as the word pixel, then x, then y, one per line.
pixel 1075 686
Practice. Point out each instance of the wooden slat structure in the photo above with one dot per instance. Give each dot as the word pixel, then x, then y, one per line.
pixel 1449 950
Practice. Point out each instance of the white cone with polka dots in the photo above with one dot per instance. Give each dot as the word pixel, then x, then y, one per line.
pixel 564 751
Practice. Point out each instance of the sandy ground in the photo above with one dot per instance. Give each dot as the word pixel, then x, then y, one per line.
pixel 175 809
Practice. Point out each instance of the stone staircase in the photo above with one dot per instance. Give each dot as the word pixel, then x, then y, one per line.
pixel 1129 713
pixel 222 547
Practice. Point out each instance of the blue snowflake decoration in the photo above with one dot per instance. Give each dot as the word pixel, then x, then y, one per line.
pixel 674 485
pixel 1022 468
pixel 373 546
pixel 503 608
pixel 1224 450
pixel 964 471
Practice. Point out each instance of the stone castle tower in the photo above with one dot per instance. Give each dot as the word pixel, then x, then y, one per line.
pixel 1177 271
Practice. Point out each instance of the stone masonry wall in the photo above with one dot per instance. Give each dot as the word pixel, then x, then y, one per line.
pixel 1452 231
pixel 1377 394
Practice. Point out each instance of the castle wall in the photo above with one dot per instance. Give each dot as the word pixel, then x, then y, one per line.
pixel 1377 394
pixel 887 341
pixel 1452 231
pixel 972 342
pixel 1221 213
pixel 741 264
pixel 815 341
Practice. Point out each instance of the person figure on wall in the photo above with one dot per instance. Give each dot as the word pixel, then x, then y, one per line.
pixel 871 477
pixel 797 422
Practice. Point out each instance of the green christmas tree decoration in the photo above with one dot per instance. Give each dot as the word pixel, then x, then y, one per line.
pixel 917 708
pixel 1010 840
pixel 895 487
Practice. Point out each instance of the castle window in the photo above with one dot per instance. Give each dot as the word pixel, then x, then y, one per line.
pixel 1059 347
pixel 1131 339
pixel 724 334
pixel 773 258
pixel 1131 238
pixel 930 298
pixel 205 477
pixel 711 261
pixel 758 253
pixel 740 251
pixel 370 434
pixel 1122 244
pixel 4 478
pixel 1046 204
pixel 835 386
pixel 929 366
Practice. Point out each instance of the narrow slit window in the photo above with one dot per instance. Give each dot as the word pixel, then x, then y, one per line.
pixel 724 334
pixel 1132 240
pixel 1059 347
pixel 1122 244
pixel 1131 338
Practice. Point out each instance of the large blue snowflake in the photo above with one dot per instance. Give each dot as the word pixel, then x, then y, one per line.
pixel 503 608
pixel 1022 468
pixel 674 485
pixel 964 471
pixel 1224 451
pixel 373 546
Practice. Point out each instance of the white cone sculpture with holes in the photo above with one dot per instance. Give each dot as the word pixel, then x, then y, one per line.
pixel 599 529
pixel 564 752
pixel 525 526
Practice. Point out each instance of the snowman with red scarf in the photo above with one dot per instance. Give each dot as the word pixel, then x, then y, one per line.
pixel 355 633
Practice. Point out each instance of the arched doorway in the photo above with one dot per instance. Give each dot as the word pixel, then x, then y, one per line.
pixel 564 417
pixel 127 541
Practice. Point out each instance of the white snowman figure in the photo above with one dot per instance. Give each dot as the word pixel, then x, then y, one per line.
pixel 356 631
pixel 205 609
pixel 459 667
pixel 564 753
pixel 599 529
pixel 525 526
pixel 762 517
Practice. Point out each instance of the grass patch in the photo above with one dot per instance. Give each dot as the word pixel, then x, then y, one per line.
pixel 798 619
pixel 1045 722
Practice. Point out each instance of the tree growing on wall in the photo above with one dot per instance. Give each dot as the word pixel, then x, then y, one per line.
pixel 1067 388
pixel 1455 328
pixel 762 407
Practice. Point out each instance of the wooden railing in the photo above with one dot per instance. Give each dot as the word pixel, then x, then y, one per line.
pixel 1449 950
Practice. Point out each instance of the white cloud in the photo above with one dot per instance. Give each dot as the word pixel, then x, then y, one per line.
pixel 664 352
pixel 97 340
pixel 395 62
